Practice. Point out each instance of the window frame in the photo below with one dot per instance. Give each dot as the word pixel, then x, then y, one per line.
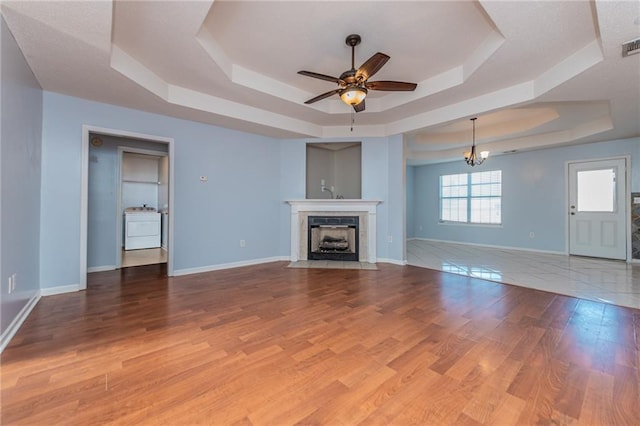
pixel 469 197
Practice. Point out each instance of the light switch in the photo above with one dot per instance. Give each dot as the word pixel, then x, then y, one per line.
pixel 636 200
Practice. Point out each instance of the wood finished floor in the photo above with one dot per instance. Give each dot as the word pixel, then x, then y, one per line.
pixel 270 345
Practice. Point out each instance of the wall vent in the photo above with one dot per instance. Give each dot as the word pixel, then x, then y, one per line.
pixel 631 47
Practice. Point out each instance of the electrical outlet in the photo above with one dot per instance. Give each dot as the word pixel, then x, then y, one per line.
pixel 243 243
pixel 389 239
pixel 532 234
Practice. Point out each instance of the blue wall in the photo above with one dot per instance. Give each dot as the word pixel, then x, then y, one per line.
pixel 20 158
pixel 240 200
pixel 533 196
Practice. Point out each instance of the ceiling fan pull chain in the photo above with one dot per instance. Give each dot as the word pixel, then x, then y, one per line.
pixel 353 119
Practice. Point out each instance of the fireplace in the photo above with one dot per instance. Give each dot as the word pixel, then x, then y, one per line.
pixel 364 210
pixel 333 238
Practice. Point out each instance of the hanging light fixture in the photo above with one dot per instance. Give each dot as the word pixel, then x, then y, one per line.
pixel 353 95
pixel 471 157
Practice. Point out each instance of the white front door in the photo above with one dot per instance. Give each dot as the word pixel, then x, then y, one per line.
pixel 597 208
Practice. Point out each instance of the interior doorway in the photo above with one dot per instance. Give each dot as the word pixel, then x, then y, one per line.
pixel 597 208
pixel 142 206
pixel 114 215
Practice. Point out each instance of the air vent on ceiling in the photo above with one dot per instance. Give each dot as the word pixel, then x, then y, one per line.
pixel 631 47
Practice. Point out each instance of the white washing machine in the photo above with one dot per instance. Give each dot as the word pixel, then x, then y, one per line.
pixel 141 228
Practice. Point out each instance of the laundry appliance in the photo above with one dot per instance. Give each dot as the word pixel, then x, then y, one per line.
pixel 141 228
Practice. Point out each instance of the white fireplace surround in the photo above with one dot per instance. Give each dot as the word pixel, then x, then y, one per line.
pixel 365 209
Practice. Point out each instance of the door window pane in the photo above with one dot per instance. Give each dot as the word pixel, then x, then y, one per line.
pixel 596 190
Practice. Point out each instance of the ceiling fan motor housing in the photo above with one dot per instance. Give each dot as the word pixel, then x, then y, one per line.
pixel 353 84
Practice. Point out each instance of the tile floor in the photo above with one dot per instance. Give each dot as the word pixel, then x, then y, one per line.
pixel 143 257
pixel 610 281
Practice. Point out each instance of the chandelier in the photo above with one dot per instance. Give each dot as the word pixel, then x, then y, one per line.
pixel 471 157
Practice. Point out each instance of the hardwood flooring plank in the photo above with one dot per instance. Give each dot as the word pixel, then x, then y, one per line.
pixel 270 345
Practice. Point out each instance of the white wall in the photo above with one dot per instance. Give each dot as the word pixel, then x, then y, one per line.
pixel 140 180
pixel 533 196
pixel 20 159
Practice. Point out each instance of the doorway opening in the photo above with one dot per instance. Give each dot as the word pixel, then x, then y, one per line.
pixel 112 184
pixel 143 208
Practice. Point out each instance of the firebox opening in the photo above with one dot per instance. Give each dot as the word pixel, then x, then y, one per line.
pixel 333 238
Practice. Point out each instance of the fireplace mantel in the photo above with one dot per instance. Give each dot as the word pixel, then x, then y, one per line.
pixel 300 209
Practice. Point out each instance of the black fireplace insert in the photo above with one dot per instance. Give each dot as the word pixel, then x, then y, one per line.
pixel 333 238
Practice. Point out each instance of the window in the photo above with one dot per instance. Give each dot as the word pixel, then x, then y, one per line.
pixel 471 197
pixel 596 190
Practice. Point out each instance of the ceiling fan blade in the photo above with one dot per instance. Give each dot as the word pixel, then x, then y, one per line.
pixel 391 86
pixel 360 107
pixel 320 76
pixel 324 95
pixel 372 66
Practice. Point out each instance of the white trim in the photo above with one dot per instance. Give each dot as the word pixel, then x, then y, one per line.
pixel 84 205
pixel 393 261
pixel 15 325
pixel 627 203
pixel 490 246
pixel 101 268
pixel 52 291
pixel 332 205
pixel 471 224
pixel 200 269
pixel 84 193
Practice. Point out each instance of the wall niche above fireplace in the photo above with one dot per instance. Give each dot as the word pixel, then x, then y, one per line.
pixel 336 167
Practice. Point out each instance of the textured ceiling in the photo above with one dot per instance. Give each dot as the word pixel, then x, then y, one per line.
pixel 536 74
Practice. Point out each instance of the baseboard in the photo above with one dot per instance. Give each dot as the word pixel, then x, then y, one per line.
pixel 198 270
pixel 101 268
pixel 393 261
pixel 18 320
pixel 490 246
pixel 50 291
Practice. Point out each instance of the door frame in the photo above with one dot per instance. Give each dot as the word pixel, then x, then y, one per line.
pixel 627 196
pixel 119 219
pixel 84 191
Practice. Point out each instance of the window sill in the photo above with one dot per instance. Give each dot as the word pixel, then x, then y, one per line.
pixel 471 224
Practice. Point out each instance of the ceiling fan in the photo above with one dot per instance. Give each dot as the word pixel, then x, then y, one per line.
pixel 354 83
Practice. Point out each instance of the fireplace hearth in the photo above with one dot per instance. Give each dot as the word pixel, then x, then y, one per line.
pixel 333 238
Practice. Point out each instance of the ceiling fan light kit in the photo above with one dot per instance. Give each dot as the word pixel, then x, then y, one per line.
pixel 471 157
pixel 353 85
pixel 353 95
